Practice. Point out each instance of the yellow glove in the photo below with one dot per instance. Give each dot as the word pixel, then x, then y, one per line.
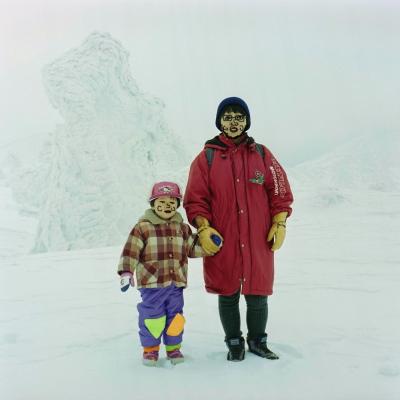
pixel 278 230
pixel 204 232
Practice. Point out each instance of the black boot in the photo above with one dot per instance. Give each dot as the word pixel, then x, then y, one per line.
pixel 259 347
pixel 236 349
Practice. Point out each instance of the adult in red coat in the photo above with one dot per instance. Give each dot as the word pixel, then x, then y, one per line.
pixel 238 191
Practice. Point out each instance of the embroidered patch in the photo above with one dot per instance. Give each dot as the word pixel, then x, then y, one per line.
pixel 259 179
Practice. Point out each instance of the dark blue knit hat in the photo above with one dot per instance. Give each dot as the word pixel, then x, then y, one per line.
pixel 232 101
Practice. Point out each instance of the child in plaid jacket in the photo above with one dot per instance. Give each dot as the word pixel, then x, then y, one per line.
pixel 157 249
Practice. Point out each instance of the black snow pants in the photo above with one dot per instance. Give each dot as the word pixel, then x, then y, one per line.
pixel 256 316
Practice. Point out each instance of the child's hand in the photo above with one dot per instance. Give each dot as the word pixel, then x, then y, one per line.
pixel 126 281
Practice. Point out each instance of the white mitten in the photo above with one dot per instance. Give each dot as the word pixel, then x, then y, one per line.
pixel 126 281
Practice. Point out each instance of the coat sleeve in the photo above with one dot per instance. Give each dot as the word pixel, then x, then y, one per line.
pixel 277 185
pixel 197 194
pixel 193 248
pixel 131 253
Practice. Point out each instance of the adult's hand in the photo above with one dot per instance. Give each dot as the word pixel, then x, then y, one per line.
pixel 277 232
pixel 205 233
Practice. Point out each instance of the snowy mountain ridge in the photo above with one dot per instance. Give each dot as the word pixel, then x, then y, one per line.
pixel 360 165
pixel 88 183
pixel 369 162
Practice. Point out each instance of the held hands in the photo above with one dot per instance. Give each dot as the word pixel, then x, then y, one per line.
pixel 205 233
pixel 278 230
pixel 126 281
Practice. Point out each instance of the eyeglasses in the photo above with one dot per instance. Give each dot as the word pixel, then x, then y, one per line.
pixel 238 118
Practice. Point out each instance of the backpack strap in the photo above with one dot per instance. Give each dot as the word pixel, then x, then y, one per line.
pixel 209 155
pixel 260 150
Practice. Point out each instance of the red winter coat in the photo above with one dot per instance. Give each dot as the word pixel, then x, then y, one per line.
pixel 238 193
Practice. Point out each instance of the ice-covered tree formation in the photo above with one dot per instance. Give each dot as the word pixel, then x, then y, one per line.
pixel 96 171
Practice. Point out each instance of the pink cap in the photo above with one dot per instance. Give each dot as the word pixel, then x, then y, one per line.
pixel 165 189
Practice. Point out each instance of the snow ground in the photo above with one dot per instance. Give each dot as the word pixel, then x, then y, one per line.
pixel 17 232
pixel 67 332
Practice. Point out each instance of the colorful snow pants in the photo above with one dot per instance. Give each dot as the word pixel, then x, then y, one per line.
pixel 160 314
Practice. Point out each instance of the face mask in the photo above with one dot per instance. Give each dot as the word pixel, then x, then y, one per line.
pixel 233 124
pixel 165 207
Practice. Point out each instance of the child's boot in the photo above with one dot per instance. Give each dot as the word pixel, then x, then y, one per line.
pixel 259 347
pixel 174 354
pixel 150 356
pixel 236 349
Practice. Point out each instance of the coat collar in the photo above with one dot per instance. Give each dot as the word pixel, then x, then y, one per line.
pixel 223 143
pixel 153 218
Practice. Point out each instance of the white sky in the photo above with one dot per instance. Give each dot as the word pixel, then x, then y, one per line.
pixel 312 73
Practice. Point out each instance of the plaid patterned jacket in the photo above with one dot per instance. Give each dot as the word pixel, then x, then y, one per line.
pixel 158 251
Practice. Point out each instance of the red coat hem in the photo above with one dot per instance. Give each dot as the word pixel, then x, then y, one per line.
pixel 230 293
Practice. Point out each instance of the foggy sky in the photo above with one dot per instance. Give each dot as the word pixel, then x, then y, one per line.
pixel 313 73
